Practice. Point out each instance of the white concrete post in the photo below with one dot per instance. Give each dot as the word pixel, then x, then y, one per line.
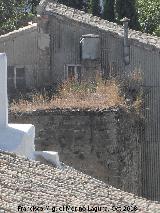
pixel 17 138
pixel 3 91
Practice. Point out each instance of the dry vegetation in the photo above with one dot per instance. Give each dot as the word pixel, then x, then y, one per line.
pixel 94 95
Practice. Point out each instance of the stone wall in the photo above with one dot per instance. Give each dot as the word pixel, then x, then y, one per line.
pixel 104 144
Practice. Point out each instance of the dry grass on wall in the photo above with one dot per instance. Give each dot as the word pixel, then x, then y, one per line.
pixel 94 95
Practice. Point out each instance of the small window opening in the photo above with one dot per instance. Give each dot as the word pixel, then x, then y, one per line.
pixel 20 78
pixel 10 77
pixel 16 77
pixel 73 72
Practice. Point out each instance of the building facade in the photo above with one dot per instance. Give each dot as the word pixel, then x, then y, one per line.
pixel 68 43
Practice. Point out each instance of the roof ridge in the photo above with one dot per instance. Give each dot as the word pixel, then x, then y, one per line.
pixel 21 29
pixel 57 9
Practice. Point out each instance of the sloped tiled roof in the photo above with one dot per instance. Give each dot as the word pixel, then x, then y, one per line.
pixel 28 183
pixel 56 9
pixel 20 31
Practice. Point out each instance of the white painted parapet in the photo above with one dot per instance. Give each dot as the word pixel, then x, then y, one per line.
pixel 17 138
pixel 49 156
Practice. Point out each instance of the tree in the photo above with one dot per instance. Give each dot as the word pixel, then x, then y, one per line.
pixel 94 7
pixel 14 14
pixel 108 12
pixel 78 4
pixel 33 4
pixel 127 8
pixel 149 16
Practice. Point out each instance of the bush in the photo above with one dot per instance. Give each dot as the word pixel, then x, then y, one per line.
pixel 98 94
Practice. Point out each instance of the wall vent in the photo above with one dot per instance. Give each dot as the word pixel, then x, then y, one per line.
pixel 90 47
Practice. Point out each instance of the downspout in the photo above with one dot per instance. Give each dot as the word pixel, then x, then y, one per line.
pixel 126 52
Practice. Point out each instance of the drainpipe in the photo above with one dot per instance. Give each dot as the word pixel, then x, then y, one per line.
pixel 125 41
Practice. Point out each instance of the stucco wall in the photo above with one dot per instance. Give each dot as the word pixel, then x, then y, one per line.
pixel 29 48
pixel 66 28
pixel 65 42
pixel 21 49
pixel 104 144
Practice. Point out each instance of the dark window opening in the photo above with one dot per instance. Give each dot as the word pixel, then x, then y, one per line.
pixel 74 72
pixel 10 77
pixel 15 78
pixel 20 78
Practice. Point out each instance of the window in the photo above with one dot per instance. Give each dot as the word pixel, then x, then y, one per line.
pixel 73 72
pixel 20 77
pixel 15 77
pixel 10 77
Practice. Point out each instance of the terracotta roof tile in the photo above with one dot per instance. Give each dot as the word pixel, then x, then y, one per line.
pixel 29 183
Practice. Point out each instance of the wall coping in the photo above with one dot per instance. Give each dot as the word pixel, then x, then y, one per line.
pixel 67 111
pixel 19 32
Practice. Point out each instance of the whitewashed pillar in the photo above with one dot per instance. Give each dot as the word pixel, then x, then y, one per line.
pixel 3 91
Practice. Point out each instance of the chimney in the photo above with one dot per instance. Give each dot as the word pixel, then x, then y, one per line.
pixel 125 41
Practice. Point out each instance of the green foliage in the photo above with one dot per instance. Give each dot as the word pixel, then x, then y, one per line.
pixel 149 16
pixel 78 4
pixel 127 8
pixel 94 7
pixel 14 14
pixel 144 14
pixel 33 4
pixel 108 12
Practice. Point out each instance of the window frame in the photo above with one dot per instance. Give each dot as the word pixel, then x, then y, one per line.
pixel 14 78
pixel 66 69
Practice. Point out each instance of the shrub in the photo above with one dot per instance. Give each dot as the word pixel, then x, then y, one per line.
pixel 98 94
